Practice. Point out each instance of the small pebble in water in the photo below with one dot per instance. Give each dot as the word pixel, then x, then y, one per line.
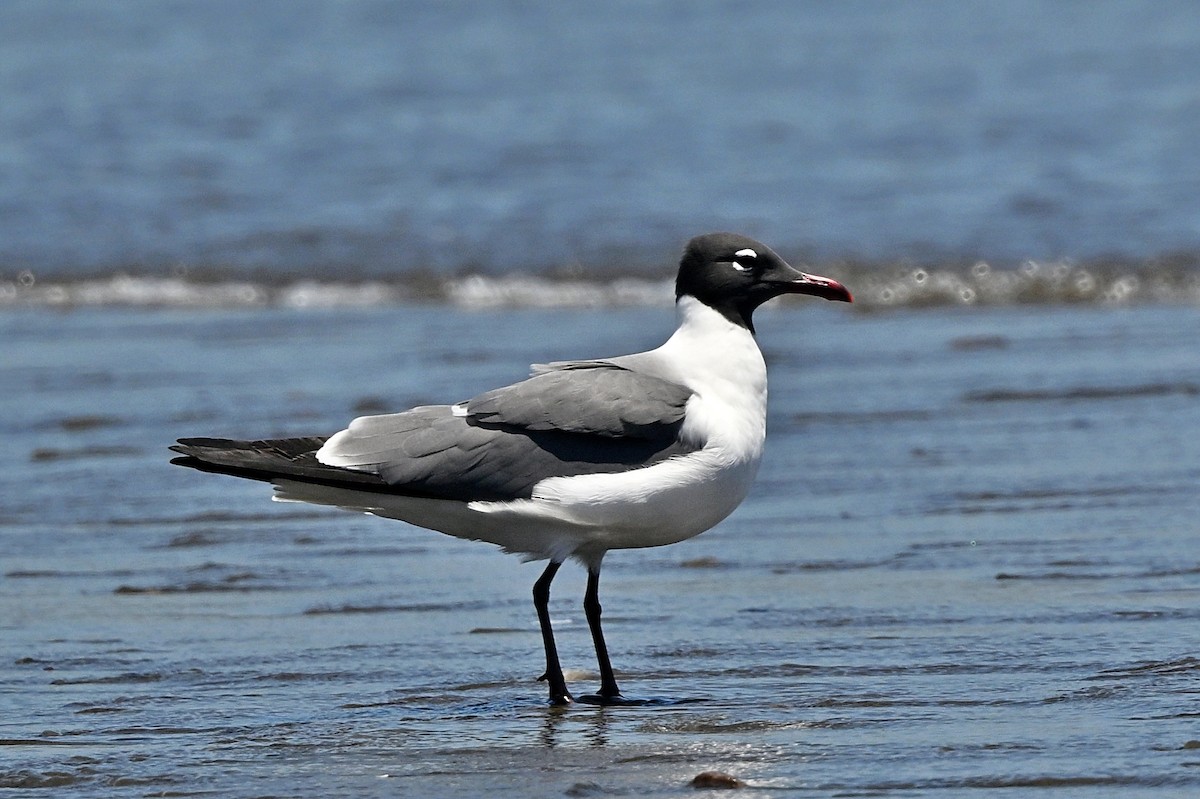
pixel 716 779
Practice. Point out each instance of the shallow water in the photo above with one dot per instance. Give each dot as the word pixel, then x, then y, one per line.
pixel 382 136
pixel 970 564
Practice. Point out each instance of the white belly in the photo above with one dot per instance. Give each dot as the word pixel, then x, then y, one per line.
pixel 661 504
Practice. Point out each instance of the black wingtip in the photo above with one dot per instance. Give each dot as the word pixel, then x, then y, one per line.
pixel 206 441
pixel 195 447
pixel 192 462
pixel 269 460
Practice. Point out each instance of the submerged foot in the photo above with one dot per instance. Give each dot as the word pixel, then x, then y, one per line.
pixel 616 700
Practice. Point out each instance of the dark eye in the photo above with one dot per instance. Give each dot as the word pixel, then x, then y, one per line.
pixel 745 260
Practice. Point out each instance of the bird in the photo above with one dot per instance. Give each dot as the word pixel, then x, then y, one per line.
pixel 582 457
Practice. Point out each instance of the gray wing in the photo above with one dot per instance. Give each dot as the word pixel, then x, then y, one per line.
pixel 577 418
pixel 590 397
pixel 586 419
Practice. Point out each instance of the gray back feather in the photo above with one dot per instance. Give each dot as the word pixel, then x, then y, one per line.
pixel 590 397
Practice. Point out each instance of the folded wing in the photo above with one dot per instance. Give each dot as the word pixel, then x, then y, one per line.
pixel 573 418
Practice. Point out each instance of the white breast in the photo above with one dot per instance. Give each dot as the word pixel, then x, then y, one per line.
pixel 721 363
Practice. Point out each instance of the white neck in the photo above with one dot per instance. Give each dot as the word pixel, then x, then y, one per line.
pixel 708 342
pixel 719 361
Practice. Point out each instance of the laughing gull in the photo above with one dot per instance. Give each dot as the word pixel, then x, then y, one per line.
pixel 586 456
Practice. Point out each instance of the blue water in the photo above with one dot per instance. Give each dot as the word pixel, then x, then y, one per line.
pixel 336 139
pixel 970 564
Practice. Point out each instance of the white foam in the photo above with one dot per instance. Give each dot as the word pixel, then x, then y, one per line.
pixel 873 285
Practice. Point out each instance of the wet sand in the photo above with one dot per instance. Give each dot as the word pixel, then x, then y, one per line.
pixel 970 564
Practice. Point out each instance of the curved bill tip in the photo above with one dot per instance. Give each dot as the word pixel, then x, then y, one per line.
pixel 818 286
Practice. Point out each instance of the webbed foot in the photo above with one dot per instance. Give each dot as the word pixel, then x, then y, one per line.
pixel 616 700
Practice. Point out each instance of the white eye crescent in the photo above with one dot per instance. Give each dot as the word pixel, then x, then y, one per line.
pixel 747 254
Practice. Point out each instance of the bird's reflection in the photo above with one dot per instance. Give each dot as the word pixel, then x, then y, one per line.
pixel 562 722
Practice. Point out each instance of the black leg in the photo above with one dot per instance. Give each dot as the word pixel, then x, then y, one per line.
pixel 591 607
pixel 559 695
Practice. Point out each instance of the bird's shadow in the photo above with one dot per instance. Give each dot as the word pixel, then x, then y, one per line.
pixel 596 700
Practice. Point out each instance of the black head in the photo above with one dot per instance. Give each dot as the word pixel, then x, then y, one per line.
pixel 734 275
